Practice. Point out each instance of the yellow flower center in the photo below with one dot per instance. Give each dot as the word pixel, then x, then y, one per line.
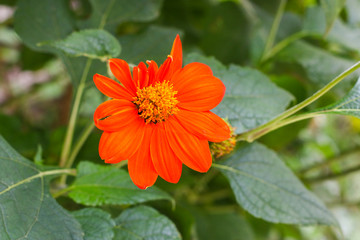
pixel 156 103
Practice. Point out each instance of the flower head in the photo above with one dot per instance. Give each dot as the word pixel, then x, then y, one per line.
pixel 159 117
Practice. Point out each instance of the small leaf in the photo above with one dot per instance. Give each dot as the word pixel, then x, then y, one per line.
pixel 251 99
pixel 144 223
pixel 92 43
pixel 265 187
pixel 145 46
pixel 27 209
pixel 98 185
pixel 38 156
pixel 96 223
pixel 348 105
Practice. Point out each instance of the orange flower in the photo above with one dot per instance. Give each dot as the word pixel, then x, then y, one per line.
pixel 159 118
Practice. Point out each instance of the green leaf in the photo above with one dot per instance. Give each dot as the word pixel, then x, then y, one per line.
pixel 110 13
pixel 75 68
pixel 251 99
pixel 314 22
pixel 27 209
pixel 265 187
pixel 319 65
pixel 98 185
pixel 43 20
pixel 348 105
pixel 144 223
pixel 345 36
pixel 352 11
pixel 340 33
pixel 145 46
pixel 332 9
pixel 96 223
pixel 91 43
pixel 232 226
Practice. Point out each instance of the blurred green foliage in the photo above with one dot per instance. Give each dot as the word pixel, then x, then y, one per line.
pixel 314 42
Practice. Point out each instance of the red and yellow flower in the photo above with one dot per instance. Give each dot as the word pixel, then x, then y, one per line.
pixel 159 117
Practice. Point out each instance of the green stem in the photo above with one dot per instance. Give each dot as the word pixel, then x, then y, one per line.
pixel 326 163
pixel 281 45
pixel 105 15
pixel 224 167
pixel 72 122
pixel 62 192
pixel 287 121
pixel 274 123
pixel 40 175
pixel 79 144
pixel 332 175
pixel 274 28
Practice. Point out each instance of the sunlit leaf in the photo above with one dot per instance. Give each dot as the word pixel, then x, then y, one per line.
pixel 27 209
pixel 91 43
pixel 96 223
pixel 266 188
pixel 144 223
pixel 98 185
pixel 251 99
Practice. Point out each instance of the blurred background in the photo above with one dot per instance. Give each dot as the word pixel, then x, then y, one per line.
pixel 36 95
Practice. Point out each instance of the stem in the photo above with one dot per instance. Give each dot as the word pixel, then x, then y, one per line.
pixel 220 166
pixel 281 45
pixel 288 121
pixel 72 122
pixel 106 14
pixel 62 191
pixel 254 134
pixel 40 175
pixel 332 175
pixel 326 163
pixel 249 10
pixel 274 27
pixel 85 134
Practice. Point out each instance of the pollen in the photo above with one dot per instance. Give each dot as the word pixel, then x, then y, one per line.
pixel 157 102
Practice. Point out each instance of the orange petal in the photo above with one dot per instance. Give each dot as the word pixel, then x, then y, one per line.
pixel 114 114
pixel 111 88
pixel 164 72
pixel 197 91
pixel 189 71
pixel 204 125
pixel 121 71
pixel 192 151
pixel 166 163
pixel 176 53
pixel 117 146
pixel 140 75
pixel 152 69
pixel 140 165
